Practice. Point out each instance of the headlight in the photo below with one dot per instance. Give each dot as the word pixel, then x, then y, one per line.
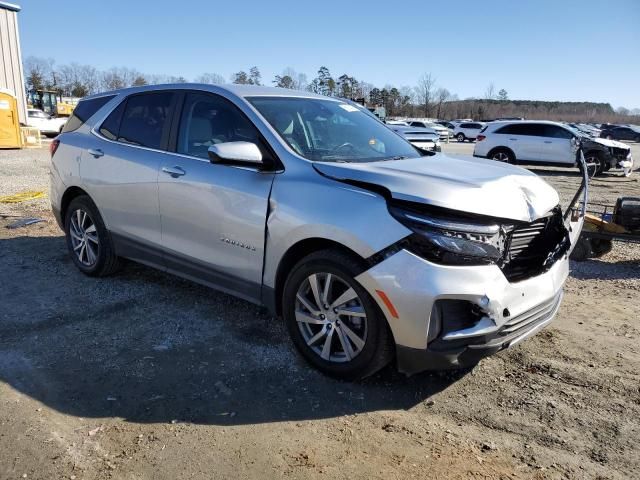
pixel 451 240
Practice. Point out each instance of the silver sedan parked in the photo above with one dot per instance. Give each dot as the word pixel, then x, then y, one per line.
pixel 369 250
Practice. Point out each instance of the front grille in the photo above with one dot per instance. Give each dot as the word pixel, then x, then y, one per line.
pixel 522 238
pixel 619 153
pixel 532 317
pixel 534 247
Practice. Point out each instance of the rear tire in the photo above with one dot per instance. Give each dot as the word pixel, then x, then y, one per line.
pixel 88 240
pixel 318 329
pixel 502 155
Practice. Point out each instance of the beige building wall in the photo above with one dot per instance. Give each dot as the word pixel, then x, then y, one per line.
pixel 11 74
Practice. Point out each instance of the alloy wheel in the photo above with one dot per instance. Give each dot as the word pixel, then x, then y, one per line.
pixel 501 157
pixel 331 317
pixel 594 165
pixel 84 237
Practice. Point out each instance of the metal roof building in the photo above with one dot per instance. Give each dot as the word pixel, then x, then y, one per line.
pixel 11 74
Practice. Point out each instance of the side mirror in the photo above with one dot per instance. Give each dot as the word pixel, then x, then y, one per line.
pixel 243 153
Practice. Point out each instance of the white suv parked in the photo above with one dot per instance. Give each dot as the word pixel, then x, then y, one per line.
pixel 467 131
pixel 549 143
pixel 44 122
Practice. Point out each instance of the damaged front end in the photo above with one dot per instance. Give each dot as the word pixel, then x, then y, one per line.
pixel 465 286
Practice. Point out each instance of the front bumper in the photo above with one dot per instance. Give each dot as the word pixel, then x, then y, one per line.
pixel 498 313
pixel 510 312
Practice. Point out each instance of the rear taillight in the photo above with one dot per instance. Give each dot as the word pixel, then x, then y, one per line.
pixel 479 138
pixel 53 146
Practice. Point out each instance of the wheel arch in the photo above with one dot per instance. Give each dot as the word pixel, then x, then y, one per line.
pixel 296 252
pixel 67 197
pixel 503 149
pixel 594 151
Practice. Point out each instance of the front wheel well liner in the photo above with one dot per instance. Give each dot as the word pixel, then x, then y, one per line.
pixel 296 253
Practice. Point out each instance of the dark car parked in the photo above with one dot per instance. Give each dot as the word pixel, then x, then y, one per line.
pixel 621 133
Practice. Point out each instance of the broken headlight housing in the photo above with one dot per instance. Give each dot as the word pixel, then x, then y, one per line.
pixel 450 239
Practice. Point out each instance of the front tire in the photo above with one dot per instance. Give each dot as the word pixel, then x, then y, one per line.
pixel 460 137
pixel 88 240
pixel 333 321
pixel 595 164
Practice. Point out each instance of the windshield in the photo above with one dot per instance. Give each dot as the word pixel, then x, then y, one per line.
pixel 331 131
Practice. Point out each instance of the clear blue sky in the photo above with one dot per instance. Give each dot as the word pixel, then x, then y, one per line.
pixel 535 49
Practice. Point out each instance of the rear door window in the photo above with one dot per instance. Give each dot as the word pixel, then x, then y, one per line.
pixel 84 111
pixel 507 129
pixel 111 126
pixel 146 119
pixel 527 129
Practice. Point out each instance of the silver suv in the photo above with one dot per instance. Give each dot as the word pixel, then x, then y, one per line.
pixel 302 203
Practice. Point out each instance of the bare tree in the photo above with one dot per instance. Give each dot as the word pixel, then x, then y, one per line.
pixel 90 78
pixel 425 92
pixel 364 89
pixel 490 92
pixel 211 78
pixel 441 95
pixel 299 80
pixel 38 72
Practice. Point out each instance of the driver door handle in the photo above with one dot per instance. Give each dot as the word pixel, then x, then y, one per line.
pixel 96 152
pixel 175 171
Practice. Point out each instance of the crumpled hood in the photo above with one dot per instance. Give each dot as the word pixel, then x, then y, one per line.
pixel 611 143
pixel 472 185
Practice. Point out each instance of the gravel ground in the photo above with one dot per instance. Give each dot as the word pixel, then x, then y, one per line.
pixel 143 375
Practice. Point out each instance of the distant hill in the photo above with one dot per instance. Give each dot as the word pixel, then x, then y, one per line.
pixel 535 110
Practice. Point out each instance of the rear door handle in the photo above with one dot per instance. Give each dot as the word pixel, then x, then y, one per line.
pixel 96 152
pixel 548 141
pixel 175 171
pixel 514 139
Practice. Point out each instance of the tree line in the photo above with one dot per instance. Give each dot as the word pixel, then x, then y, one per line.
pixel 424 99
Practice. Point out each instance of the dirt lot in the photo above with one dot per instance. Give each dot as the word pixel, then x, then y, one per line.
pixel 144 375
